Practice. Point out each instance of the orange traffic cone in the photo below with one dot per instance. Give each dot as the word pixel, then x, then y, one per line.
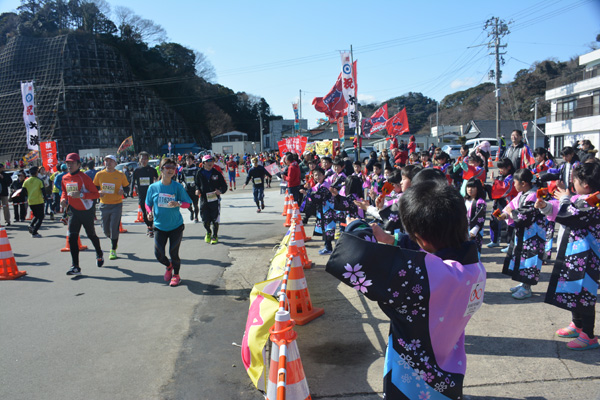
pixel 288 217
pixel 68 246
pixel 302 233
pixel 490 163
pixel 299 303
pixel 286 373
pixel 286 203
pixel 134 193
pixel 237 172
pixel 140 216
pixel 121 229
pixel 30 216
pixel 8 265
pixel 298 242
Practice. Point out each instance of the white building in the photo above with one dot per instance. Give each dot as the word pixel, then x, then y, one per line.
pixel 575 106
pixel 234 142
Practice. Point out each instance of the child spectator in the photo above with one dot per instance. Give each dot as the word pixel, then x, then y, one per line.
pixel 425 355
pixel 475 204
pixel 523 261
pixel 472 168
pixel 574 282
pixel 502 191
pixel 543 162
pixel 320 198
pixel 345 203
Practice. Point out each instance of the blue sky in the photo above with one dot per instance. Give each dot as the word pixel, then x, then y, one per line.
pixel 275 48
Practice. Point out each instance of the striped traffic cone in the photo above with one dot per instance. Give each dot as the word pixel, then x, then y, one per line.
pixel 140 216
pixel 286 373
pixel 300 227
pixel 8 265
pixel 121 229
pixel 299 303
pixel 297 241
pixel 68 246
pixel 286 203
pixel 30 216
pixel 290 212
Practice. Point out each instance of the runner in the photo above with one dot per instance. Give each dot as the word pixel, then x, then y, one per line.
pixel 143 177
pixel 35 198
pixel 5 182
pixel 257 174
pixel 210 185
pixel 110 183
pixel 163 201
pixel 187 176
pixel 232 166
pixel 79 193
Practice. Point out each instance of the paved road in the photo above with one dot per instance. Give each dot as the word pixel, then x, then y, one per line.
pixel 119 332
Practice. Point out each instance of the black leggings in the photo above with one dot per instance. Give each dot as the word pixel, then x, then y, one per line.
pixel 38 217
pixel 215 231
pixel 160 243
pixel 83 218
pixel 194 209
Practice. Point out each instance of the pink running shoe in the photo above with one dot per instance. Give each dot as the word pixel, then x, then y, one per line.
pixel 570 331
pixel 583 342
pixel 169 273
pixel 175 280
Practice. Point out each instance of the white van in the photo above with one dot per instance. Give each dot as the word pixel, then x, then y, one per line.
pixel 473 143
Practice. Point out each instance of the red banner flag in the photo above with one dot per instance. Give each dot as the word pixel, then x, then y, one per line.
pixel 398 124
pixel 127 143
pixel 341 128
pixel 282 148
pixel 377 121
pixel 49 160
pixel 333 104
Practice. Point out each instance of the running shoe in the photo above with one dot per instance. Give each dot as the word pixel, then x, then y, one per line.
pixel 74 271
pixel 570 331
pixel 150 233
pixel 175 281
pixel 207 238
pixel 36 235
pixel 325 251
pixel 583 342
pixel 258 210
pixel 492 244
pixel 169 273
pixel 196 221
pixel 262 205
pixel 515 288
pixel 113 255
pixel 99 260
pixel 522 293
pixel 504 250
pixel 214 240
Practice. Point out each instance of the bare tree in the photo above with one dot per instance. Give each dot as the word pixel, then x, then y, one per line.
pixel 134 27
pixel 204 68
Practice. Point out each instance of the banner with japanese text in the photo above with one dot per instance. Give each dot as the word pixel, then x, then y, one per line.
pixel 33 138
pixel 296 118
pixel 349 88
pixel 341 129
pixel 273 169
pixel 296 144
pixel 376 123
pixel 282 148
pixel 49 159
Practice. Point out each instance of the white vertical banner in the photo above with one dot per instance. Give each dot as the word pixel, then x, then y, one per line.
pixel 33 138
pixel 349 88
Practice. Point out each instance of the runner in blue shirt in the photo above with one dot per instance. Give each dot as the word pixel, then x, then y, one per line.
pixel 163 201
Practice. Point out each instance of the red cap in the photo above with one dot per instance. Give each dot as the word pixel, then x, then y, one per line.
pixel 73 157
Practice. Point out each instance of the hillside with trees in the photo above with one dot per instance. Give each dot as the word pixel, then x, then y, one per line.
pixel 185 78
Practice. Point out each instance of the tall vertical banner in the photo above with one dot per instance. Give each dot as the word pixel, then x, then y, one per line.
pixel 33 138
pixel 296 118
pixel 341 131
pixel 349 88
pixel 49 159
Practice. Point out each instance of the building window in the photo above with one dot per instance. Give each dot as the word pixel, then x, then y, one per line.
pixel 565 108
pixel 559 144
pixel 596 103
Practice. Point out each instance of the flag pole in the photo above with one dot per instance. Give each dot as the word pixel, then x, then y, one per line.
pixel 357 132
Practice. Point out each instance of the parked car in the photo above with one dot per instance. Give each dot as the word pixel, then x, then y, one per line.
pixel 154 163
pixel 14 174
pixel 473 143
pixel 453 150
pixel 364 152
pixel 132 164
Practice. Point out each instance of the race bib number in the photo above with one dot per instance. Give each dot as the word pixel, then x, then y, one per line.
pixel 475 298
pixel 145 181
pixel 108 188
pixel 189 180
pixel 212 196
pixel 164 199
pixel 72 187
pixel 257 181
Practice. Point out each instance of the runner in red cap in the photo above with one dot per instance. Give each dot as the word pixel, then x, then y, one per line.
pixel 78 193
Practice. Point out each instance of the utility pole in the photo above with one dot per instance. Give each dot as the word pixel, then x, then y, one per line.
pixel 261 130
pixel 535 108
pixel 497 29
